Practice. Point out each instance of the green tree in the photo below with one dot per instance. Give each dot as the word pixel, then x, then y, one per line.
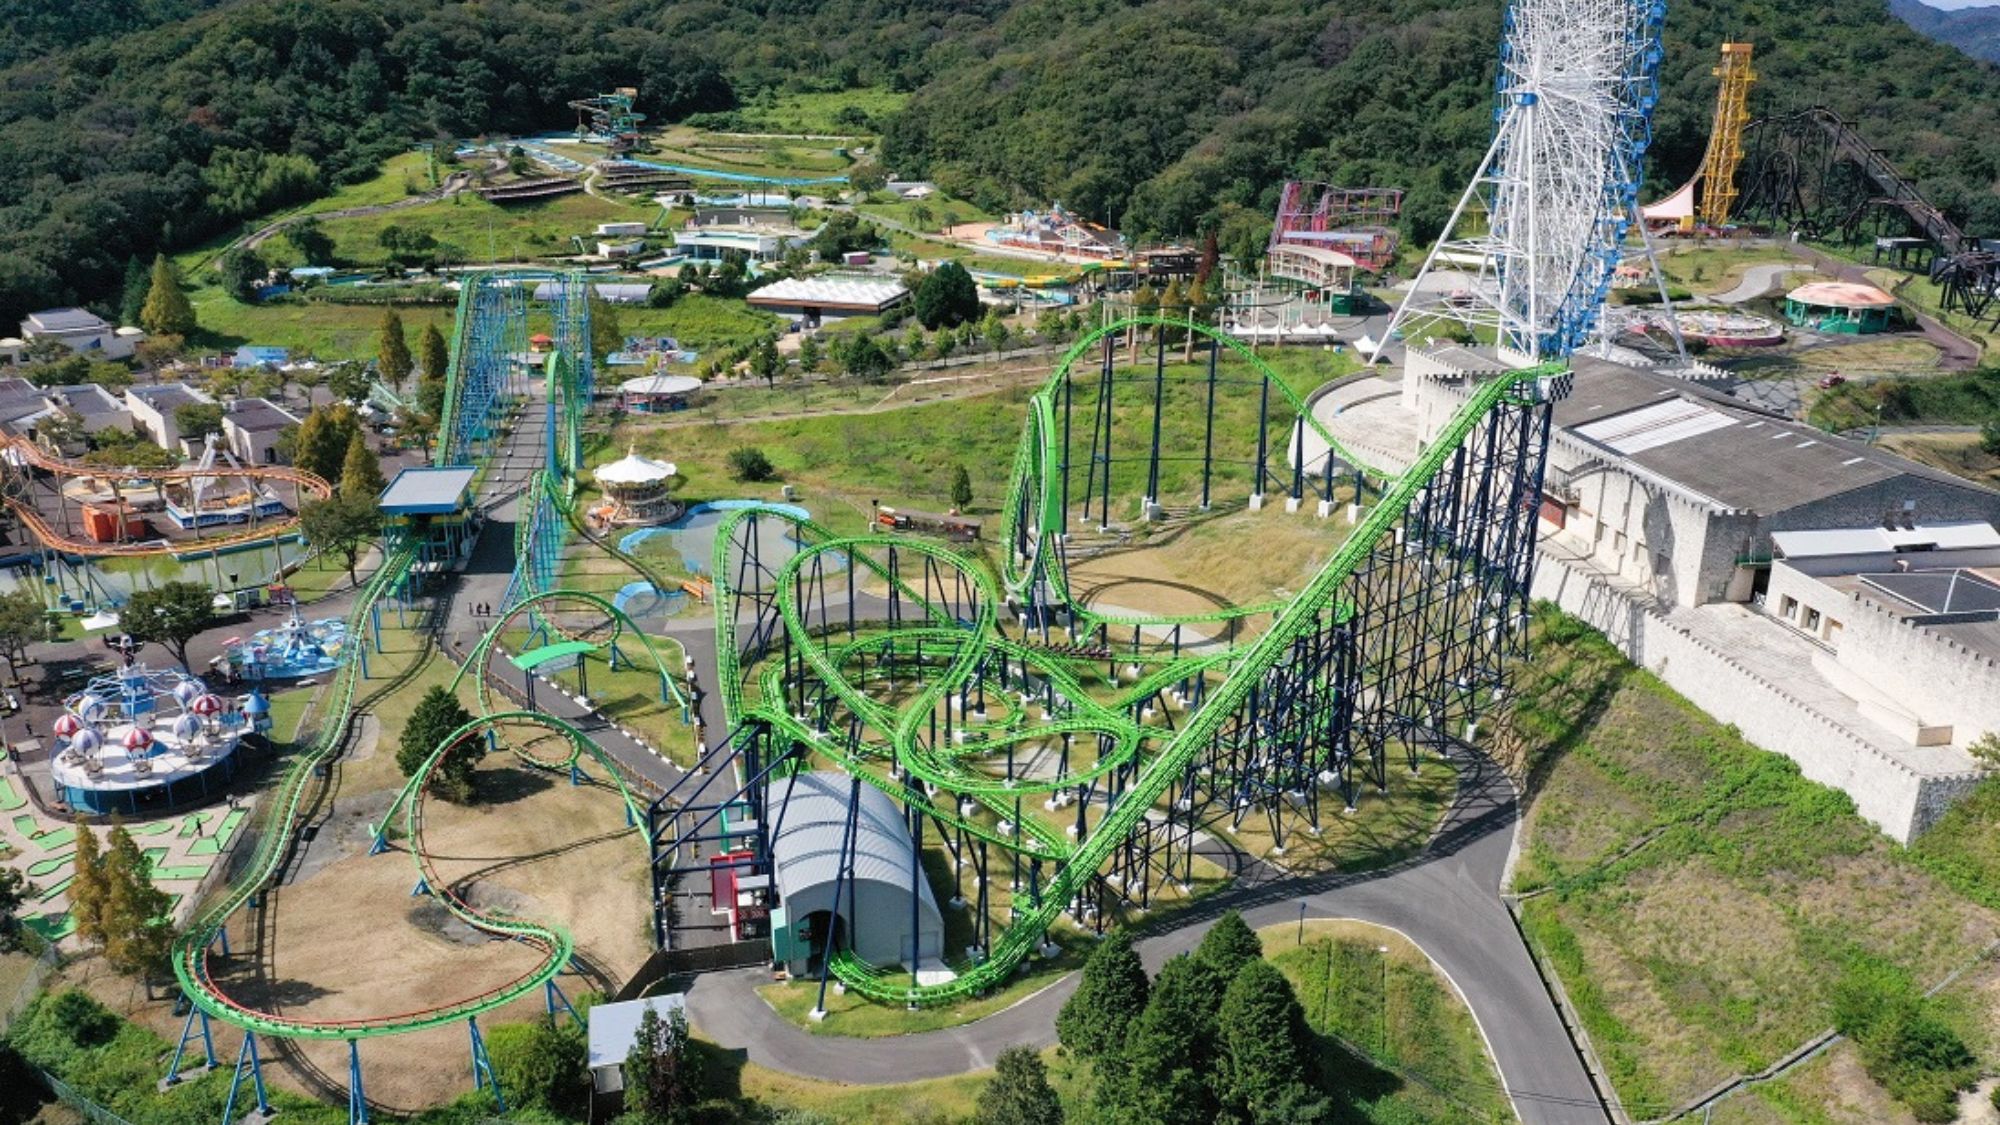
pixel 431 349
pixel 946 297
pixel 863 358
pixel 843 232
pixel 361 480
pixel 348 382
pixel 431 722
pixel 1229 945
pixel 243 271
pixel 663 1076
pixel 88 888
pixel 961 488
pixel 392 350
pixel 166 311
pixel 14 890
pixel 1169 1050
pixel 23 621
pixel 995 330
pixel 341 527
pixel 323 440
pixel 197 420
pixel 1989 437
pixel 137 919
pixel 1263 1046
pixel 748 463
pixel 1020 1093
pixel 915 344
pixel 809 355
pixel 1110 995
pixel 132 294
pixel 765 362
pixel 170 614
pixel 607 332
pixel 541 1066
pixel 310 241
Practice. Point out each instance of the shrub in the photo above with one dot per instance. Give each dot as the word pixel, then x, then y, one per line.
pixel 540 1066
pixel 749 463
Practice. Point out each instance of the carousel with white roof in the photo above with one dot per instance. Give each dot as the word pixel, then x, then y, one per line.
pixel 147 740
pixel 638 492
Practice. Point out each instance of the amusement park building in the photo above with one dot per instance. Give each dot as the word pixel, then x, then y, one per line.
pixel 250 427
pixel 808 818
pixel 810 301
pixel 81 330
pixel 153 411
pixel 1741 556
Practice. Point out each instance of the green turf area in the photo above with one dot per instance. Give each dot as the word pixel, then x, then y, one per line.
pixel 1713 949
pixel 323 331
pixel 907 456
pixel 701 322
pixel 1971 398
pixel 934 212
pixel 775 112
pixel 1706 269
pixel 1399 1044
pixel 400 177
pixel 9 799
pixel 487 232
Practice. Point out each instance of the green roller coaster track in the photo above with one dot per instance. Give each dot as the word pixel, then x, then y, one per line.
pixel 904 751
pixel 190 951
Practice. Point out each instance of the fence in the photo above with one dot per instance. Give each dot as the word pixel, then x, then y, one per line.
pixel 68 1095
pixel 45 964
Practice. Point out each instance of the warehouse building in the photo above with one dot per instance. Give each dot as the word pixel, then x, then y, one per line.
pixel 808 819
pixel 813 301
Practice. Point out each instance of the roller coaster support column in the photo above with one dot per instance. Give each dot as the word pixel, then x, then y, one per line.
pixel 1263 441
pixel 1298 463
pixel 482 1066
pixel 553 999
pixel 247 1061
pixel 1151 509
pixel 357 1098
pixel 1208 427
pixel 841 878
pixel 375 621
pixel 180 1048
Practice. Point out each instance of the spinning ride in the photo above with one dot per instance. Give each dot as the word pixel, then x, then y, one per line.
pixel 296 648
pixel 1529 252
pixel 145 739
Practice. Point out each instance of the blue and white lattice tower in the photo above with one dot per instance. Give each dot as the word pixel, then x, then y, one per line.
pixel 1531 248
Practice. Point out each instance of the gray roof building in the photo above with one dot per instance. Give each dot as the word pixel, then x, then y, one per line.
pixel 807 816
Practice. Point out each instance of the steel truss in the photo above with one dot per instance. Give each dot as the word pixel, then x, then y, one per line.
pixel 1087 759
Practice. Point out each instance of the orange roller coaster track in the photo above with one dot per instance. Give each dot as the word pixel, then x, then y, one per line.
pixel 22 453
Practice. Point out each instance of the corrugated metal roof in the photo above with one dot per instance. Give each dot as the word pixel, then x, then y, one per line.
pixel 615 1027
pixel 809 825
pixel 1650 426
pixel 418 492
pixel 1956 535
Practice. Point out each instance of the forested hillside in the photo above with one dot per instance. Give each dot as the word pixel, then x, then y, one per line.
pixel 1976 31
pixel 1160 115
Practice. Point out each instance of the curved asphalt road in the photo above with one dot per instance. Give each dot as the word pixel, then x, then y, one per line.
pixel 1447 901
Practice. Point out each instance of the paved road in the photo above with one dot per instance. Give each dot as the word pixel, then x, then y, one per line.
pixel 1447 902
pixel 1757 281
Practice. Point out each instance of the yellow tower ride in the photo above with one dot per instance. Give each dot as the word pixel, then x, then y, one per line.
pixel 1725 137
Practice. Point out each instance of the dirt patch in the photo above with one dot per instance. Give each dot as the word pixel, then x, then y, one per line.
pixel 348 939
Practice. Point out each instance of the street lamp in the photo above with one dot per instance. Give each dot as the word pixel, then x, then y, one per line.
pixel 1302 923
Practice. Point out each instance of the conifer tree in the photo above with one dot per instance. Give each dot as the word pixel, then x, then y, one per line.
pixel 1262 1044
pixel 1111 994
pixel 433 719
pixel 1020 1093
pixel 87 890
pixel 435 355
pixel 1229 945
pixel 360 473
pixel 1169 1051
pixel 138 928
pixel 392 350
pixel 166 311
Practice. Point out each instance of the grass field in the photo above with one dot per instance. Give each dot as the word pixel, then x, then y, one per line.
pixel 701 322
pixel 938 208
pixel 1712 949
pixel 1961 454
pixel 1400 1045
pixel 486 232
pixel 323 331
pixel 1716 269
pixel 775 112
pixel 398 176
